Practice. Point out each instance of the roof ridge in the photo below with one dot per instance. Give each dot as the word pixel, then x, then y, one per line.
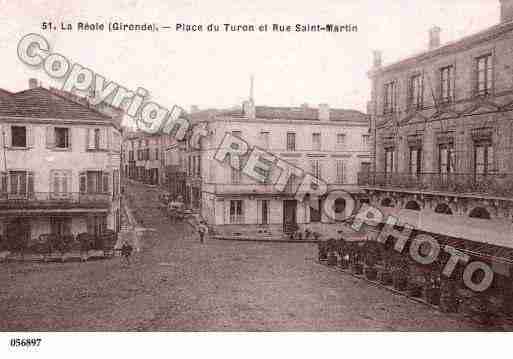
pixel 497 27
pixel 51 93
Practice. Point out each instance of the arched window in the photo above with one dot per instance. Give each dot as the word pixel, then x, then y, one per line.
pixel 387 202
pixel 479 212
pixel 443 208
pixel 413 205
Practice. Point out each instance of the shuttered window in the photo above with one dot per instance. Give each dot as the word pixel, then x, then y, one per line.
pixel 60 182
pixel 316 141
pixel 291 141
pixel 340 168
pixel 389 101
pixel 484 75
pixel 94 182
pixel 97 139
pixel 20 183
pixel 316 168
pixel 3 182
pixel 341 141
pixel 236 212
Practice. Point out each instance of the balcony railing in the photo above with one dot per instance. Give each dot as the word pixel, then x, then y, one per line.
pixel 242 188
pixel 53 199
pixel 492 184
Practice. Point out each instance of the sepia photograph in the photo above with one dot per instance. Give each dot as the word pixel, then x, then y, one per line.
pixel 319 174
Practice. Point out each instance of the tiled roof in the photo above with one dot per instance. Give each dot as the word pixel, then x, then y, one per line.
pixel 42 103
pixel 307 113
pixel 285 113
pixel 5 92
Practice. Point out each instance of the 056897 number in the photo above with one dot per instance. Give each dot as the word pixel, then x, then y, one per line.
pixel 25 342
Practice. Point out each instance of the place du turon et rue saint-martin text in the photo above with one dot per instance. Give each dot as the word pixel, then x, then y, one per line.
pixel 189 27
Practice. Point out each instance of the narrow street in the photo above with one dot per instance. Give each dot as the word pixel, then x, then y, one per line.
pixel 176 283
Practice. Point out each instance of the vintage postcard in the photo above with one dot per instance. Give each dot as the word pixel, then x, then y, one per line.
pixel 267 166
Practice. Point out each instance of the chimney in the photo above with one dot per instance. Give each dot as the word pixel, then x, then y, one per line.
pixel 434 37
pixel 248 107
pixel 506 10
pixel 377 58
pixel 324 112
pixel 33 83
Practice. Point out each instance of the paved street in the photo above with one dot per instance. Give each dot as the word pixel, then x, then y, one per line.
pixel 175 283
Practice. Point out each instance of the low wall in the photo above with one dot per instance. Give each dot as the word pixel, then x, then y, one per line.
pixel 327 230
pixel 249 230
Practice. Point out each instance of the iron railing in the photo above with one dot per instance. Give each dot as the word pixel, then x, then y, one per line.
pixel 492 184
pixel 69 199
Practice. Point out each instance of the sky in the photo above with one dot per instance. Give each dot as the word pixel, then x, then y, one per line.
pixel 213 69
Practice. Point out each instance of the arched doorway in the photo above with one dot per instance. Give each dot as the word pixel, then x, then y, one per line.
pixel 339 208
pixel 412 205
pixel 387 202
pixel 480 212
pixel 443 208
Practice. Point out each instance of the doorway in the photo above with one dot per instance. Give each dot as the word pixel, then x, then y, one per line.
pixel 18 233
pixel 289 216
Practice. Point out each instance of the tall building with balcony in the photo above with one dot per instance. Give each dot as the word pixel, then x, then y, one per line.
pixel 332 144
pixel 443 140
pixel 59 166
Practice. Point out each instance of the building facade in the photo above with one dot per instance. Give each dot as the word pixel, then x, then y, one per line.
pixel 59 167
pixel 332 144
pixel 143 158
pixel 443 132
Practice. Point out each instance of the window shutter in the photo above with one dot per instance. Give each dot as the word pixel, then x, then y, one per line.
pixel 66 177
pixel 422 89
pixel 227 218
pixel 54 182
pixel 435 83
pixel 453 83
pixel 8 136
pixel 473 77
pixel 104 142
pixel 30 182
pixel 50 137
pixel 82 182
pixel 30 136
pixel 259 212
pixel 70 142
pixel 3 182
pixel 90 138
pixel 106 182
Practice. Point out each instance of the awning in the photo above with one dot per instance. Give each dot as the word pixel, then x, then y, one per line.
pixel 490 231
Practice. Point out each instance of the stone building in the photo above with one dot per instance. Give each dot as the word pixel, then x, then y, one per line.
pixel 332 144
pixel 443 139
pixel 59 167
